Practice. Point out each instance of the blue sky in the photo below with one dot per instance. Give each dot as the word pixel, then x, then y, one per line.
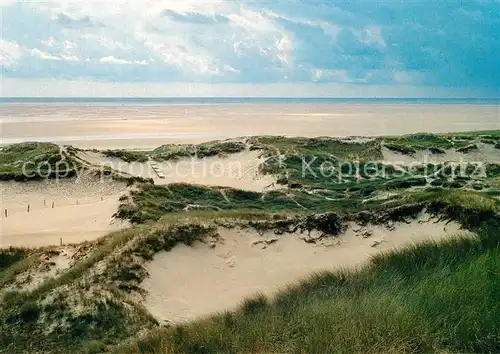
pixel 332 48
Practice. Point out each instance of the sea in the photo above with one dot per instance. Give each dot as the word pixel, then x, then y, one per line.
pixel 243 100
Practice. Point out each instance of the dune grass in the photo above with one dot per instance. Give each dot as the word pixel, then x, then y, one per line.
pixel 431 297
pixel 35 160
pixel 320 147
pixel 463 142
pixel 420 141
pixel 73 312
pixel 127 155
pixel 213 148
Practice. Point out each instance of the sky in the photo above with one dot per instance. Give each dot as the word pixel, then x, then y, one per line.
pixel 382 48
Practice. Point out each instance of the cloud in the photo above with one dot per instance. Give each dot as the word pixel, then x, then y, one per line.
pixel 6 2
pixel 113 60
pixel 230 69
pixel 195 17
pixel 46 56
pixel 10 53
pixel 70 22
pixel 420 43
pixel 43 55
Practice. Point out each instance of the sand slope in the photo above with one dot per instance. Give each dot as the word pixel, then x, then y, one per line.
pixel 190 282
pixel 78 214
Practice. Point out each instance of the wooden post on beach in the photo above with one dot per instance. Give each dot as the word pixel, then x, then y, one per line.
pixel 60 241
pixel 52 205
pixel 28 208
pixel 5 212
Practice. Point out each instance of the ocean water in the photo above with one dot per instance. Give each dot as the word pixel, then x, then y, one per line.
pixel 241 100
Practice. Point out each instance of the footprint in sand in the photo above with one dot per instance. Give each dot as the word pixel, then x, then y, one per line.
pixel 231 261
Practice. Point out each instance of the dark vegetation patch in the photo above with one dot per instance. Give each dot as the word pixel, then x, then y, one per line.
pixel 468 148
pixel 10 256
pixel 402 149
pixel 493 170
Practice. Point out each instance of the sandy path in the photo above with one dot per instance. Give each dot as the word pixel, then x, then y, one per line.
pixel 190 282
pixel 129 126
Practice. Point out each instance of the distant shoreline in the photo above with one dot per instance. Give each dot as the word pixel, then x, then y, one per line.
pixel 242 100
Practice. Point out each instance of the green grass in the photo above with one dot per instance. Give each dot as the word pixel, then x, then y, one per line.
pixel 150 202
pixel 475 134
pixel 33 160
pixel 425 298
pixel 126 155
pixel 419 141
pixel 10 256
pixel 464 142
pixel 215 148
pixel 104 317
pixel 319 147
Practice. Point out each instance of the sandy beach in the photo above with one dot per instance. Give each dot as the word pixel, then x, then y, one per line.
pixel 147 126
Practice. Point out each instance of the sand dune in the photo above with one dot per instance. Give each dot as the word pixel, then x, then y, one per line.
pixel 189 282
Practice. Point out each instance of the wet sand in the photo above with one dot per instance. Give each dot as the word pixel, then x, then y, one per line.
pixel 147 126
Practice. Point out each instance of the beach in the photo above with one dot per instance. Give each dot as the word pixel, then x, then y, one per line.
pixel 143 126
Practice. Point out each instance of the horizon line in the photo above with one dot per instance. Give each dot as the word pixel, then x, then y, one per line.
pixel 245 97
